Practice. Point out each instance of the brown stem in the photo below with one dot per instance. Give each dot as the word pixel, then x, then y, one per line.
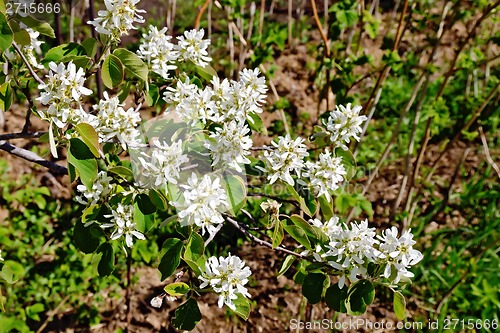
pixel 30 69
pixel 320 28
pixel 21 135
pixel 200 14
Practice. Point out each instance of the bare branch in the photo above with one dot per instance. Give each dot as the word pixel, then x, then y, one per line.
pixel 32 157
pixel 487 152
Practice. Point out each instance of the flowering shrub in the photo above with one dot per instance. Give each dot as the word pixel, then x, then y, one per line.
pixel 196 160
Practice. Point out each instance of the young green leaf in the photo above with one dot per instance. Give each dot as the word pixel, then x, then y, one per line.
pixel 242 307
pixel 177 289
pixel 399 305
pixel 89 137
pixel 171 258
pixel 236 192
pixel 335 298
pixel 132 63
pixel 312 288
pixel 6 36
pixel 5 96
pixel 112 71
pixel 287 263
pixel 187 315
pixel 360 295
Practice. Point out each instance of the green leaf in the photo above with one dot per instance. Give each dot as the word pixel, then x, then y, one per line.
pixel 399 305
pixel 80 156
pixel 5 96
pixel 206 72
pixel 158 199
pixel 79 61
pixel 90 45
pixel 112 71
pixel 300 200
pixel 55 54
pixel 42 27
pixel 6 36
pixel 195 247
pixel 236 192
pixel 32 311
pixel 277 234
pixel 343 202
pixel 287 263
pixel 242 307
pixel 187 315
pixel 360 295
pixel 153 95
pixel 326 208
pixel 122 171
pixel 132 63
pixel 299 235
pixel 348 161
pixel 22 37
pixel 255 122
pixel 89 137
pixel 312 288
pixel 107 262
pixel 171 258
pixel 145 204
pixel 84 238
pixel 11 271
pixel 312 233
pixel 177 289
pixel 335 298
pixel 194 266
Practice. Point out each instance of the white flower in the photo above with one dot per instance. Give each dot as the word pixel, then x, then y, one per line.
pixel 288 156
pixel 325 174
pixel 163 164
pixel 1 258
pixel 229 145
pixel 118 18
pixel 398 253
pixel 100 189
pixel 156 302
pixel 203 201
pixel 343 124
pixel 227 276
pixel 30 50
pixel 116 122
pixel 158 52
pixel 330 228
pixel 350 272
pixel 122 220
pixel 62 92
pixel 192 47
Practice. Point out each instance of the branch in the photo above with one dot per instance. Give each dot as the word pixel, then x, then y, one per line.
pixel 263 242
pixel 21 135
pixel 35 76
pixel 32 157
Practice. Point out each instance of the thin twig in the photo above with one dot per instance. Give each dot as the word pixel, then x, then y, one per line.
pixel 21 135
pixel 30 69
pixel 200 14
pixel 32 157
pixel 320 28
pixel 487 152
pixel 263 242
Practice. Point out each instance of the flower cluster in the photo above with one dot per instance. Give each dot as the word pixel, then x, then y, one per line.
pixel 352 247
pixel 325 174
pixel 158 52
pixel 118 18
pixel 229 145
pixel 343 124
pixel 100 190
pixel 162 165
pixel 122 221
pixel 113 121
pixel 161 55
pixel 397 254
pixel 286 157
pixel 225 101
pixel 227 277
pixel 62 92
pixel 203 201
